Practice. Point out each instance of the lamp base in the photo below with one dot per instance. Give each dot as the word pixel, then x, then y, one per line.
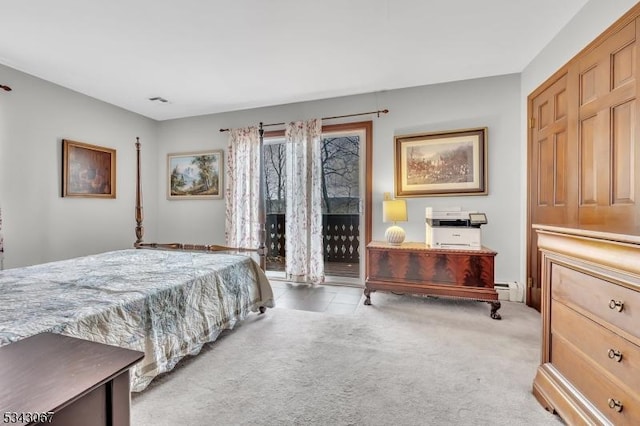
pixel 394 235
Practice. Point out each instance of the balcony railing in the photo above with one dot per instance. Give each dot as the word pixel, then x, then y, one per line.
pixel 341 237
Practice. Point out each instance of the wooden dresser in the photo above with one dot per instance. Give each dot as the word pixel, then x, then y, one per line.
pixel 59 380
pixel 590 366
pixel 416 268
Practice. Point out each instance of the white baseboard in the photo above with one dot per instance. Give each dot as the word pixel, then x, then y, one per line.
pixel 511 291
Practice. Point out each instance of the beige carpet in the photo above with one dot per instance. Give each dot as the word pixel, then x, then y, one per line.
pixel 403 361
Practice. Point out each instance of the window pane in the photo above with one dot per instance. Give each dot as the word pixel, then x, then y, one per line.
pixel 275 177
pixel 340 174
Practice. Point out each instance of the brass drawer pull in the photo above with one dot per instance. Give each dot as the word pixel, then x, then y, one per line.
pixel 616 304
pixel 615 405
pixel 615 354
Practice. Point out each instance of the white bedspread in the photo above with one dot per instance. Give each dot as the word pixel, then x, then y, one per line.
pixel 164 303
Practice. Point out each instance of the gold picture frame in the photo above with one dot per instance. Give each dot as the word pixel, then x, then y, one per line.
pixel 88 170
pixel 441 163
pixel 195 175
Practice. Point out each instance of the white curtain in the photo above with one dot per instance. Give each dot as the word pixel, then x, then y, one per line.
pixel 303 229
pixel 243 188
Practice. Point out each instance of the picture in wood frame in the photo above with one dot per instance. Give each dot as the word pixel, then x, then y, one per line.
pixel 441 163
pixel 88 170
pixel 195 175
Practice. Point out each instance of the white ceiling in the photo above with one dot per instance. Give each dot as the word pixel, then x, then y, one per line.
pixel 208 56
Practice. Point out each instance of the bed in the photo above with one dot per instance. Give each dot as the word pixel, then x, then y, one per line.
pixel 166 300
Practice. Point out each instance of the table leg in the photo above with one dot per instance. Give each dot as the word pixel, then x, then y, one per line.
pixel 495 305
pixel 367 295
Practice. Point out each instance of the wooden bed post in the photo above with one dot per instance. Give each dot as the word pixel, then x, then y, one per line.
pixel 262 215
pixel 139 214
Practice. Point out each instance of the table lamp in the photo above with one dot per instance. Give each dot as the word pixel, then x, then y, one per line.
pixel 394 211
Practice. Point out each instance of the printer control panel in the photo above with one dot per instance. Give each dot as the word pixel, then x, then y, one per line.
pixel 477 219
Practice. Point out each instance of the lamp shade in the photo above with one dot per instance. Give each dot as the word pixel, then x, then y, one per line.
pixel 394 211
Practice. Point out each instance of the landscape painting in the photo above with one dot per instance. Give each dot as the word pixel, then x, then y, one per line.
pixel 443 163
pixel 195 175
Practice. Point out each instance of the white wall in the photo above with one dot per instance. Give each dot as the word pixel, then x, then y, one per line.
pixel 491 102
pixel 593 19
pixel 38 224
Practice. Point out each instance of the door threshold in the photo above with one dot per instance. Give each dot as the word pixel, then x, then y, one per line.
pixel 343 281
pixel 330 280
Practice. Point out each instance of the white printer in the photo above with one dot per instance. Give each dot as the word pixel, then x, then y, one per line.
pixel 454 228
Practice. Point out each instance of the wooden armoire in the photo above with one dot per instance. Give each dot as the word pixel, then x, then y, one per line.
pixel 584 230
pixel 583 136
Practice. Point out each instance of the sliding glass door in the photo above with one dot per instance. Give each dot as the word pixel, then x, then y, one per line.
pixel 343 188
pixel 341 203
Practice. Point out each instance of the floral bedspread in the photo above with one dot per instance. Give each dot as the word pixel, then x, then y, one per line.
pixel 164 303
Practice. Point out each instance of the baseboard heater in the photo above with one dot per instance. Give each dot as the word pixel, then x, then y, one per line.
pixel 511 291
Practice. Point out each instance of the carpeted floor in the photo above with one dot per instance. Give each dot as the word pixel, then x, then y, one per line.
pixel 403 361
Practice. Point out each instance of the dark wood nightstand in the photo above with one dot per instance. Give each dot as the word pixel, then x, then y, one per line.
pixel 60 380
pixel 419 269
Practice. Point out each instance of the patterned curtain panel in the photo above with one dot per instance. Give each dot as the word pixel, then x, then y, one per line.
pixel 243 188
pixel 303 229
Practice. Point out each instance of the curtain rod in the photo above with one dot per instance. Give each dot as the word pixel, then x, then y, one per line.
pixel 380 111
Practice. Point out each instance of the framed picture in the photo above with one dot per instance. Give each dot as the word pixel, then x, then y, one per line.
pixel 195 175
pixel 88 170
pixel 443 163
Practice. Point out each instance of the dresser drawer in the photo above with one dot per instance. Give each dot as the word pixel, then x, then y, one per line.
pixel 598 343
pixel 591 382
pixel 597 296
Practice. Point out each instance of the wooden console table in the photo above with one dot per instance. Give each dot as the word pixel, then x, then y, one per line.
pixel 59 380
pixel 418 269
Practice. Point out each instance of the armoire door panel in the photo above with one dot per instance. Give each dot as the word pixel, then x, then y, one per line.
pixel 588 86
pixel 560 166
pixel 545 172
pixel 602 157
pixel 545 114
pixel 587 165
pixel 560 105
pixel 623 66
pixel 623 176
pixel 552 171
